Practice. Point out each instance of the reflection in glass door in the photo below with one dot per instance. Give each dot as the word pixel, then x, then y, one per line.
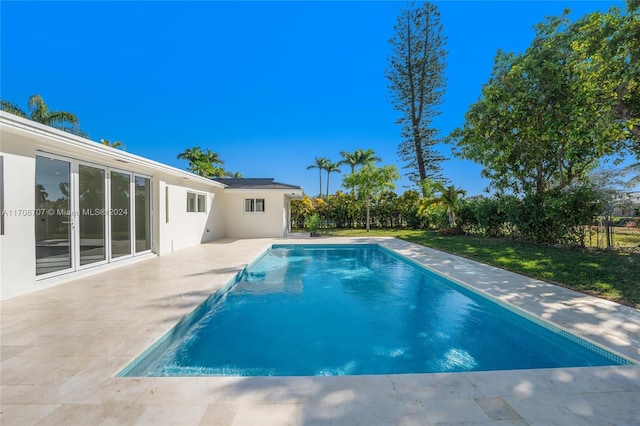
pixel 53 219
pixel 120 213
pixel 91 214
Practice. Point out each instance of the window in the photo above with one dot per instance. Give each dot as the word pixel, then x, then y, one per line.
pixel 254 205
pixel 191 202
pixel 202 203
pixel 196 202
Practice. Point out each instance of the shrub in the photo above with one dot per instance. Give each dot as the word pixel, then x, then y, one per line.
pixel 313 223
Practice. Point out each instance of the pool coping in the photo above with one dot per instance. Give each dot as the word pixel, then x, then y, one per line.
pixel 63 346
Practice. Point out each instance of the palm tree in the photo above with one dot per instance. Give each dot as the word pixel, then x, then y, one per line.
pixel 12 108
pixel 331 167
pixel 202 163
pixel 366 158
pixel 350 158
pixel 191 154
pixel 116 144
pixel 358 157
pixel 450 197
pixel 39 112
pixel 320 164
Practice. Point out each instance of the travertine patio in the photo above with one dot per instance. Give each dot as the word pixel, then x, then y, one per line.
pixel 63 346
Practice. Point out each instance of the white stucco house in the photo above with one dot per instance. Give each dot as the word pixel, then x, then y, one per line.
pixel 71 206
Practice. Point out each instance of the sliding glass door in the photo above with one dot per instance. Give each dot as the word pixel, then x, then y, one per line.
pixel 86 215
pixel 92 214
pixel 143 214
pixel 120 214
pixel 53 217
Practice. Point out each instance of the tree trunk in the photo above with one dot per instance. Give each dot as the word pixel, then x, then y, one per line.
pixel 368 217
pixel 328 184
pixel 539 180
pixel 417 143
pixel 452 217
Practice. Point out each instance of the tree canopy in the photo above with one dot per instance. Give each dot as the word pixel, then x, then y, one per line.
pixel 546 117
pixel 371 181
pixel 203 163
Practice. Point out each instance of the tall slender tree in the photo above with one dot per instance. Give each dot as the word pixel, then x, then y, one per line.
pixel 331 167
pixel 417 84
pixel 319 163
pixel 350 159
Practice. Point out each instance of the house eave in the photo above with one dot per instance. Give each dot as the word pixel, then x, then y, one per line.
pixel 56 140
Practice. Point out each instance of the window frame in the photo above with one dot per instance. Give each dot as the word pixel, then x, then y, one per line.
pixel 199 202
pixel 252 205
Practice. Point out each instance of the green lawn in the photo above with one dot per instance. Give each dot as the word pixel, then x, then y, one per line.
pixel 609 275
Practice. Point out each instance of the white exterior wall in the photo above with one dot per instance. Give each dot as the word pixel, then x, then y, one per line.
pixel 183 229
pixel 17 245
pixel 270 223
pixel 20 142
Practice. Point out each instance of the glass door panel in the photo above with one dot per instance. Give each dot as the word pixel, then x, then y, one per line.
pixel 120 214
pixel 53 225
pixel 143 214
pixel 92 214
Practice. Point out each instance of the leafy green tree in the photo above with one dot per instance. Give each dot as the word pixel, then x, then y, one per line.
pixel 534 127
pixel 331 167
pixel 408 204
pixel 39 112
pixel 370 181
pixel 416 72
pixel 359 157
pixel 449 197
pixel 115 144
pixel 606 55
pixel 203 163
pixel 320 163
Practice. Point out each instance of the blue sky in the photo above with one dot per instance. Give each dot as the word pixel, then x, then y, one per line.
pixel 267 85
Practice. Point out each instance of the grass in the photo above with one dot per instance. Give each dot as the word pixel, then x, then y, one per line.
pixel 612 275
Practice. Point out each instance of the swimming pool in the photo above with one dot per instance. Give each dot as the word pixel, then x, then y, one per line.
pixel 308 310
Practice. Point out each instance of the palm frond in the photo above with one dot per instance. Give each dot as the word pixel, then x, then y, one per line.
pixel 12 109
pixel 59 118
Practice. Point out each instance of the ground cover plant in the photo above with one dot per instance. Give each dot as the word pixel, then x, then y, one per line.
pixel 611 275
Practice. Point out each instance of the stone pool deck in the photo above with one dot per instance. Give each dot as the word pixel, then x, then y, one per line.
pixel 62 347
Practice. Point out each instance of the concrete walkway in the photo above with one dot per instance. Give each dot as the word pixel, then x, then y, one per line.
pixel 62 347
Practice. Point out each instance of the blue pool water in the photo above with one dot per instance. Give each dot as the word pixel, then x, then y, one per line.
pixel 346 310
